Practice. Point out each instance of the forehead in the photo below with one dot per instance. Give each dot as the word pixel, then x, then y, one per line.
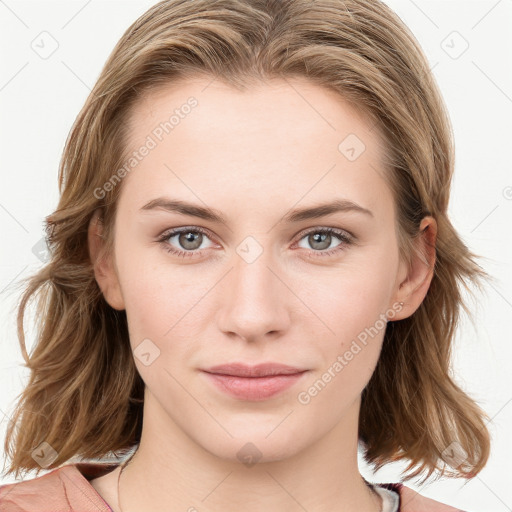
pixel 286 100
pixel 286 135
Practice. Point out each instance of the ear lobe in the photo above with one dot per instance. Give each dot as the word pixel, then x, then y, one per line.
pixel 104 271
pixel 414 287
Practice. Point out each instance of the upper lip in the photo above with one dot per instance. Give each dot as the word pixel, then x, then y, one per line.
pixel 259 370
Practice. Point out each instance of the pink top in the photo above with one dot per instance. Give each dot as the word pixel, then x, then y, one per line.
pixel 67 489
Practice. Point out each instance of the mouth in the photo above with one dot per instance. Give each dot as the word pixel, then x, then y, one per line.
pixel 254 383
pixel 259 370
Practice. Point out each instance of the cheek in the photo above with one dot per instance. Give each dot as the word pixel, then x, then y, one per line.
pixel 354 312
pixel 355 315
pixel 151 289
pixel 164 303
pixel 353 300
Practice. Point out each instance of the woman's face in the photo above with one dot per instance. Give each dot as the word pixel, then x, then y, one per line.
pixel 266 283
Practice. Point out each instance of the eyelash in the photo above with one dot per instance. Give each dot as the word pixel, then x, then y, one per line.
pixel 345 238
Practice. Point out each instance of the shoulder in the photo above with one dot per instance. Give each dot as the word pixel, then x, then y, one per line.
pixel 62 489
pixel 412 501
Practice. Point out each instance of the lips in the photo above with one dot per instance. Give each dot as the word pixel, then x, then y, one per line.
pixel 255 383
pixel 259 370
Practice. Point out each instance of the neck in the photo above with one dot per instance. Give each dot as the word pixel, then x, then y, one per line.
pixel 170 468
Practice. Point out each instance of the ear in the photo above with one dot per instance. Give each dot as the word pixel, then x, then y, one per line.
pixel 415 280
pixel 104 271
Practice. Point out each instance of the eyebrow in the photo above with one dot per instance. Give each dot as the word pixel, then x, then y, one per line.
pixel 296 215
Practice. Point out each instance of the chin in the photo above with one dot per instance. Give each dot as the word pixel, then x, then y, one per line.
pixel 254 445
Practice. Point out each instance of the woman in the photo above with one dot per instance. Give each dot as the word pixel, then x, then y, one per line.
pixel 252 272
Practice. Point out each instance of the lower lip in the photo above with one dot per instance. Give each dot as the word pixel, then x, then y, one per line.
pixel 254 388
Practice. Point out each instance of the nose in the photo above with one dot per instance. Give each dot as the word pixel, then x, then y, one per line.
pixel 254 300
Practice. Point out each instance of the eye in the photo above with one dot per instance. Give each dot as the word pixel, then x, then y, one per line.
pixel 321 239
pixel 190 238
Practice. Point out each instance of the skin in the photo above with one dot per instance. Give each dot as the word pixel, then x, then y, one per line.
pixel 254 156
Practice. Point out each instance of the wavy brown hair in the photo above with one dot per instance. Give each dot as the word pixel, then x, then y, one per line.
pixel 84 396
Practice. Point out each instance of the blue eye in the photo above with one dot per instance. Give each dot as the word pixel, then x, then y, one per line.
pixel 191 239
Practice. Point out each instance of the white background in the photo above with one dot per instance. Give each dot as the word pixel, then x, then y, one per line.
pixel 40 98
